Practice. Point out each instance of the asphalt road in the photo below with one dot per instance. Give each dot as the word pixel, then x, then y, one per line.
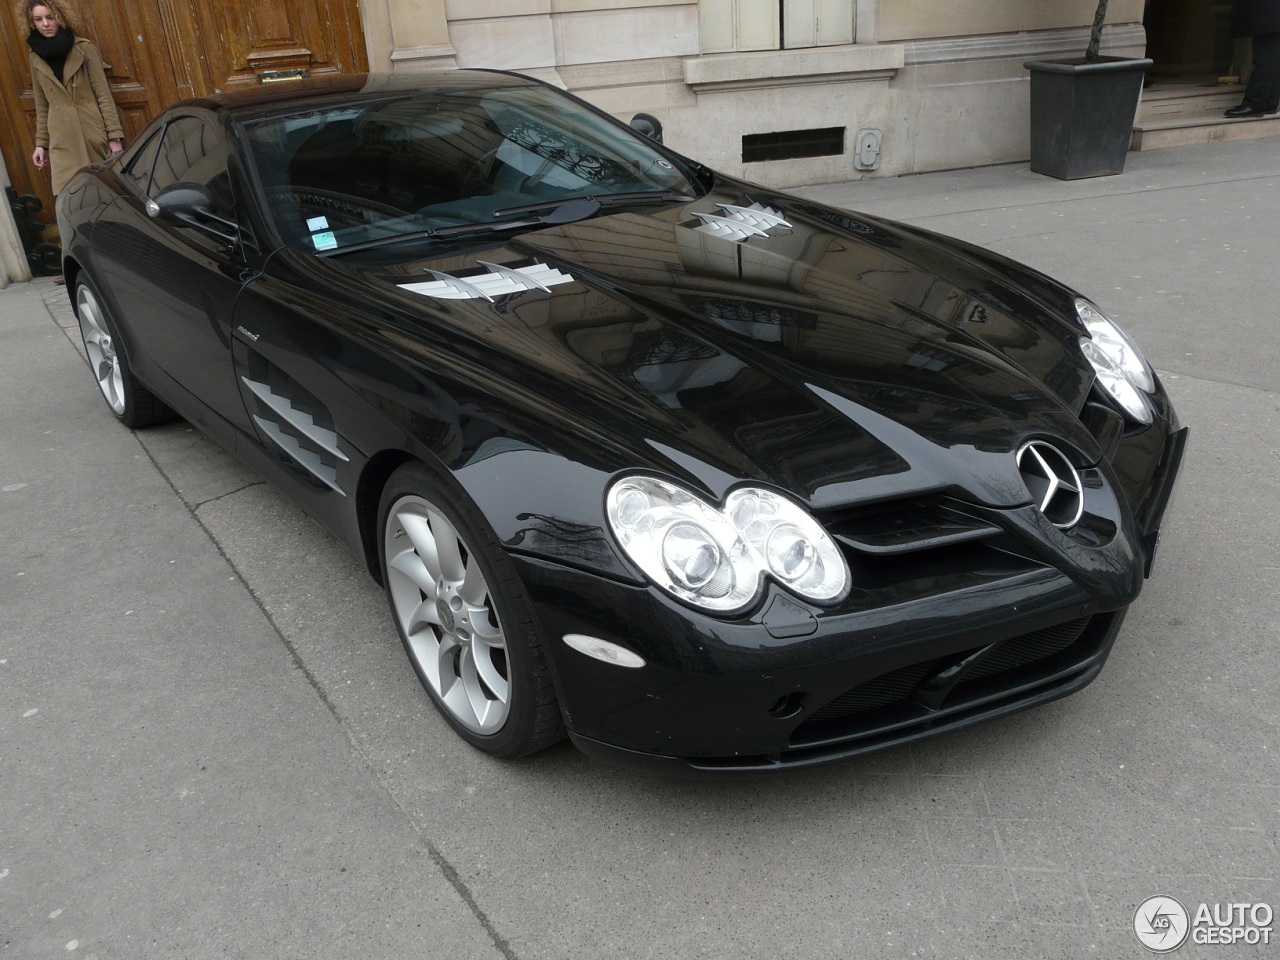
pixel 211 744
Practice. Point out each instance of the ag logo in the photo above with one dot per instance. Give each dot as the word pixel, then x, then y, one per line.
pixel 1161 923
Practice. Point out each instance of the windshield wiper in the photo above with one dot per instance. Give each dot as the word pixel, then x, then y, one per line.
pixel 604 199
pixel 564 211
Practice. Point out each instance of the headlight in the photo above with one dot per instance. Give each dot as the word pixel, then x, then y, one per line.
pixel 718 558
pixel 1122 371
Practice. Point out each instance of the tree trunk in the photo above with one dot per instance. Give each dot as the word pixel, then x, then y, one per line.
pixel 1095 35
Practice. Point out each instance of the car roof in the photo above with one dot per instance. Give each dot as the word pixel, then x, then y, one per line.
pixel 247 102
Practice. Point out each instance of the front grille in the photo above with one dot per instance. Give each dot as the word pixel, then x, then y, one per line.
pixel 906 526
pixel 917 548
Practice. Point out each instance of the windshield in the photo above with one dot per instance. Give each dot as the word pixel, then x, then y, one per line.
pixel 412 166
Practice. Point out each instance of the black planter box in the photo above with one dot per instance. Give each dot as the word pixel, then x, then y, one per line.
pixel 1082 115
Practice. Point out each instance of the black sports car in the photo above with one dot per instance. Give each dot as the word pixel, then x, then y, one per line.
pixel 708 477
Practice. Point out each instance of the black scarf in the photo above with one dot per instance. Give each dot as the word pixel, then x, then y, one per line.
pixel 52 50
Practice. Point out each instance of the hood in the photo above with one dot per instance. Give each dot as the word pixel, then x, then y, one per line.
pixel 753 335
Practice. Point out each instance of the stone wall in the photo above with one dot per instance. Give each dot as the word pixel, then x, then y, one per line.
pixel 941 80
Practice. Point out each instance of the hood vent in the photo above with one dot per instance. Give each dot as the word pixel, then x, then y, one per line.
pixel 739 223
pixel 495 281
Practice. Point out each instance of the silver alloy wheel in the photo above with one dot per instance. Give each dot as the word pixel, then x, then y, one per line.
pixel 100 348
pixel 441 600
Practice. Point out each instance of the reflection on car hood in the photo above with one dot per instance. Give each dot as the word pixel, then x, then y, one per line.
pixel 839 356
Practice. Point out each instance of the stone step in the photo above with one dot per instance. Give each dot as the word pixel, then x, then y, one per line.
pixel 1172 102
pixel 1176 114
pixel 1182 131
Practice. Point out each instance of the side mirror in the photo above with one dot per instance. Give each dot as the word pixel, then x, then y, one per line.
pixel 649 125
pixel 191 205
pixel 180 202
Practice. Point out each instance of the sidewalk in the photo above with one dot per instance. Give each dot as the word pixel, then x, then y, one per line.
pixel 171 782
pixel 210 745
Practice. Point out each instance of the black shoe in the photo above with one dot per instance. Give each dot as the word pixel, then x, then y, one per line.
pixel 1236 113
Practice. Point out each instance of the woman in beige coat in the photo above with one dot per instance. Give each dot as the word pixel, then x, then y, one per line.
pixel 76 119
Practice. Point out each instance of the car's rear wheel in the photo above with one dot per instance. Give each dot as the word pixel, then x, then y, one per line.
pixel 132 403
pixel 464 618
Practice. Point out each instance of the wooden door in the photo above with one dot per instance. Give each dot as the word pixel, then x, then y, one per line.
pixel 161 51
pixel 252 43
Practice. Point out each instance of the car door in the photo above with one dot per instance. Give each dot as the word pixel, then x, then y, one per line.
pixel 174 285
pixel 297 364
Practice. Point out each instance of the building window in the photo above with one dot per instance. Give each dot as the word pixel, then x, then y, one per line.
pixel 735 25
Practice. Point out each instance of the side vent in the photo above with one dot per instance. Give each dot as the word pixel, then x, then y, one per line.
pixel 295 421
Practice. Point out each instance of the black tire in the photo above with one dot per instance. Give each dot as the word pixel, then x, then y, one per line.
pixel 129 401
pixel 464 617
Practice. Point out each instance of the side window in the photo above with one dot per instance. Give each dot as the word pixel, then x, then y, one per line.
pixel 195 151
pixel 138 172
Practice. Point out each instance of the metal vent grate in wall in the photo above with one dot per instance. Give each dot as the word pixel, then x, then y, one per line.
pixel 793 144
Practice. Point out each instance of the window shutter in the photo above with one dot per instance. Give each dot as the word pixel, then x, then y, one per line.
pixel 717 25
pixel 834 22
pixel 816 23
pixel 739 25
pixel 758 24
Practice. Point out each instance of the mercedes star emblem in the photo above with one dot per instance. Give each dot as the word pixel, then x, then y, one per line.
pixel 1053 482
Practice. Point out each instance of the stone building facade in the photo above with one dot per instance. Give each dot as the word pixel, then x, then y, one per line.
pixel 786 92
pixel 938 83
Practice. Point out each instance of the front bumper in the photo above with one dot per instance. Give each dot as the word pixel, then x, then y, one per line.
pixel 746 697
pixel 940 642
pixel 898 721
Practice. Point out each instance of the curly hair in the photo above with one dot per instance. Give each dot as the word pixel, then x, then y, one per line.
pixel 63 10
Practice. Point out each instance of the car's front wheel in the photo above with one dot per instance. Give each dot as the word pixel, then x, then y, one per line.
pixel 132 403
pixel 464 618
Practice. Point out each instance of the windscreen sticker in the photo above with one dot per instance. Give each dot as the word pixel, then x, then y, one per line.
pixel 317 223
pixel 324 241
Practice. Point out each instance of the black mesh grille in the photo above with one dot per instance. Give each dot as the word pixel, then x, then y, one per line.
pixel 897 686
pixel 1028 648
pixel 891 687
